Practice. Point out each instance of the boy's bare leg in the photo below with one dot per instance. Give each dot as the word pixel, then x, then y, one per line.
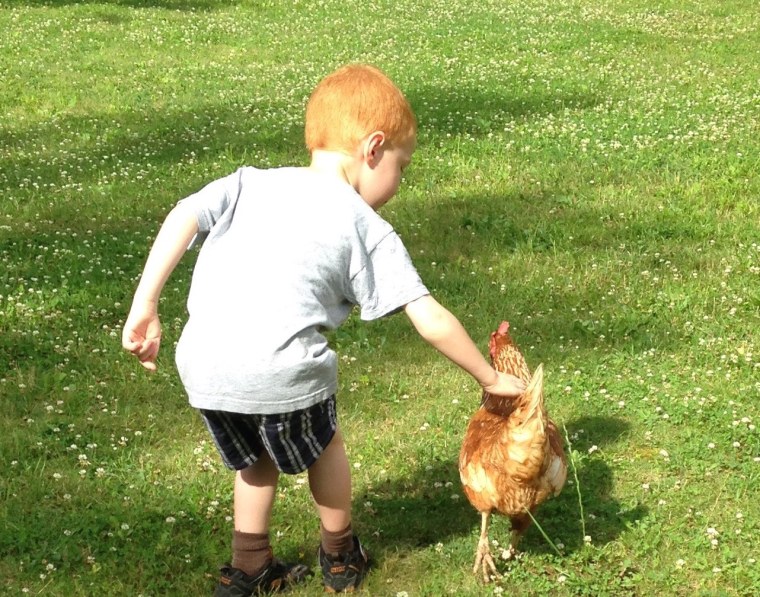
pixel 254 496
pixel 330 484
pixel 255 488
pixel 343 560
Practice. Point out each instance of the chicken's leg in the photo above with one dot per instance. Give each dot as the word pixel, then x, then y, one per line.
pixel 483 554
pixel 519 525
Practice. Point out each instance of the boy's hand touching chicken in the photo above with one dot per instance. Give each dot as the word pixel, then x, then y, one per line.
pixel 445 332
pixel 506 385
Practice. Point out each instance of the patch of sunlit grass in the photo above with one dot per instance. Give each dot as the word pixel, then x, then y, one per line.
pixel 584 170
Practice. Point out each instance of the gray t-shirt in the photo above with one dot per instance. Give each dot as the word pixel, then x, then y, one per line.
pixel 286 254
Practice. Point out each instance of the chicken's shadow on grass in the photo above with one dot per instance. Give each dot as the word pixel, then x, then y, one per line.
pixel 587 508
pixel 426 506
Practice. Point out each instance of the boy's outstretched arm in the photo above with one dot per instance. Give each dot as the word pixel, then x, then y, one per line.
pixel 444 332
pixel 142 331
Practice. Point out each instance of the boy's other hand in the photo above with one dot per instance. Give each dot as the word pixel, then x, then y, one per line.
pixel 506 385
pixel 142 337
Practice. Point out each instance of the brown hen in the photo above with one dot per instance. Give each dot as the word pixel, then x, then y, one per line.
pixel 512 457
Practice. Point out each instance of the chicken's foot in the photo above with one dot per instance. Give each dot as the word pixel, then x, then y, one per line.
pixel 511 551
pixel 483 558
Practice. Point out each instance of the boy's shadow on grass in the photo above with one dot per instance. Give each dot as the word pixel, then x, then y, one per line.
pixel 427 506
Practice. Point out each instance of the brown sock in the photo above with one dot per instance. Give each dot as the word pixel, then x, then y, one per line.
pixel 251 552
pixel 338 542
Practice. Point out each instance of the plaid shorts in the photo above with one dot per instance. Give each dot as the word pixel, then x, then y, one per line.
pixel 294 440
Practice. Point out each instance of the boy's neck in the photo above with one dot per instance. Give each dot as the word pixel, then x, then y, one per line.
pixel 334 163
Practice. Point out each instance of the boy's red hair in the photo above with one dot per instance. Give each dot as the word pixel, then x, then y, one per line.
pixel 352 102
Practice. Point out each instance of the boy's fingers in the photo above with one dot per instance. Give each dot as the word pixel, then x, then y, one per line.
pixel 145 351
pixel 511 386
pixel 149 365
pixel 130 345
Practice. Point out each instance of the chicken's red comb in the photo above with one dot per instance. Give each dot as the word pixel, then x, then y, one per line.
pixel 503 328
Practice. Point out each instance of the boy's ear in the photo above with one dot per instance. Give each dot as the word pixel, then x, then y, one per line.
pixel 373 146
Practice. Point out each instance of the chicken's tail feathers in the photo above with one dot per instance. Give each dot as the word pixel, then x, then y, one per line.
pixel 534 396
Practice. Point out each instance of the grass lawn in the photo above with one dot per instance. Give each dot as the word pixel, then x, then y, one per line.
pixel 587 170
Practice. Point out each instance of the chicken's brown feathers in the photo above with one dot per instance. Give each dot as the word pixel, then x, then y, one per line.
pixel 512 456
pixel 505 356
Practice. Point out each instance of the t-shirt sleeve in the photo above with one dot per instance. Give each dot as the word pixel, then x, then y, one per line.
pixel 388 281
pixel 214 205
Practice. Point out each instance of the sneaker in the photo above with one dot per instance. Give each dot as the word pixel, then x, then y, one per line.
pixel 276 577
pixel 345 572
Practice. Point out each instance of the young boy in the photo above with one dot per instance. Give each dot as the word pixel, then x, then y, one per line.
pixel 287 253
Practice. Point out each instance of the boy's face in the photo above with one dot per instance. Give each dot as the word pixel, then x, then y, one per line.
pixel 383 167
